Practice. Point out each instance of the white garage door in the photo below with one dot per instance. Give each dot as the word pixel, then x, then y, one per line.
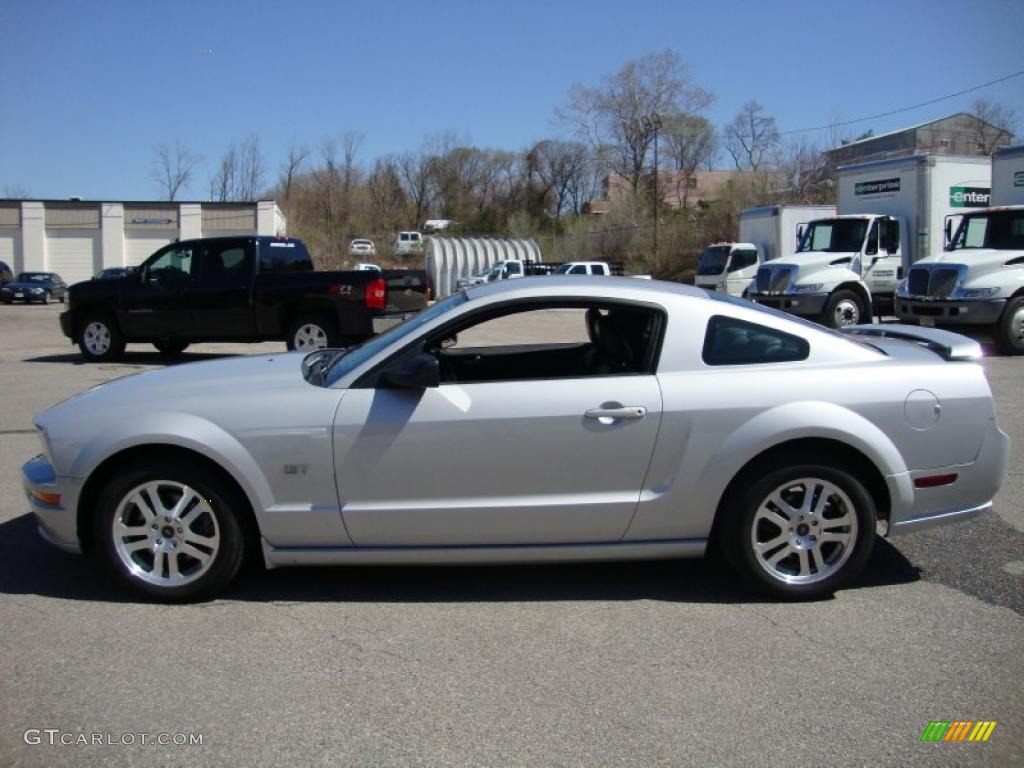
pixel 74 254
pixel 138 248
pixel 10 250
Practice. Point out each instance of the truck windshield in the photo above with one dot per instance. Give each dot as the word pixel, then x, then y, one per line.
pixel 834 236
pixel 1001 230
pixel 495 272
pixel 356 356
pixel 713 260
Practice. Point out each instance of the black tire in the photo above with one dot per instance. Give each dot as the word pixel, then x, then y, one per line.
pixel 847 304
pixel 63 297
pixel 218 519
pixel 305 326
pixel 170 346
pixel 838 560
pixel 90 338
pixel 1009 331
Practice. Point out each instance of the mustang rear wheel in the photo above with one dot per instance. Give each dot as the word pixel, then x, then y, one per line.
pixel 800 532
pixel 170 532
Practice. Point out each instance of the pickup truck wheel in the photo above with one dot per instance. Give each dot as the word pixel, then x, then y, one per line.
pixel 309 332
pixel 843 308
pixel 170 347
pixel 1010 328
pixel 799 532
pixel 170 532
pixel 99 339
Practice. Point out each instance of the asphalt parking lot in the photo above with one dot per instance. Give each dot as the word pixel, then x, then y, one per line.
pixel 620 664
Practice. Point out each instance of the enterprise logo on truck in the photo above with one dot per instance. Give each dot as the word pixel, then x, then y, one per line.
pixel 969 197
pixel 876 187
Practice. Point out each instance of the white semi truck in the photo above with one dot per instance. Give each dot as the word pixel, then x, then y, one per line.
pixel 977 281
pixel 765 234
pixel 891 213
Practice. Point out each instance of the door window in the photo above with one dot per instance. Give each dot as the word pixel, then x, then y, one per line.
pixel 226 264
pixel 742 260
pixel 173 264
pixel 550 341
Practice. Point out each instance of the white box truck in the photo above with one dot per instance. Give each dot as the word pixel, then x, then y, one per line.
pixel 765 233
pixel 977 281
pixel 891 213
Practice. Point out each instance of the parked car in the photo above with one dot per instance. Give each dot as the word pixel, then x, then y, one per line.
pixel 237 289
pixel 641 439
pixel 584 268
pixel 361 247
pixel 108 272
pixel 365 267
pixel 34 286
pixel 6 275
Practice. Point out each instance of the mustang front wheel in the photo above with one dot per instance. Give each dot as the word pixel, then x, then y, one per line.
pixel 170 533
pixel 801 532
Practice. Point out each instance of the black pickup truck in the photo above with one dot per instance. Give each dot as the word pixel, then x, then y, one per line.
pixel 237 289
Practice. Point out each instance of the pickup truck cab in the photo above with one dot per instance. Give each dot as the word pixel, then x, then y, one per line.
pixel 584 268
pixel 241 289
pixel 728 267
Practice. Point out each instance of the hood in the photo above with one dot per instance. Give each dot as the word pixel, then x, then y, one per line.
pixel 978 261
pixel 812 261
pixel 181 387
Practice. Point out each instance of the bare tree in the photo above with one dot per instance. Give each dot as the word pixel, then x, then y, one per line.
pixel 1001 121
pixel 805 171
pixel 414 169
pixel 172 168
pixel 689 144
pixel 291 168
pixel 224 183
pixel 559 166
pixel 15 192
pixel 250 170
pixel 751 137
pixel 622 114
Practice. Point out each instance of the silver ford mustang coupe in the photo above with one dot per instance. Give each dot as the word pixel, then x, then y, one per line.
pixel 542 419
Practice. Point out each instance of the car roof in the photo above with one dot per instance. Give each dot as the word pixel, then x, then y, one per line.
pixel 558 285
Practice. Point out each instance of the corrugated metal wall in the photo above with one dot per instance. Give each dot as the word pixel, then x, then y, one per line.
pixel 449 258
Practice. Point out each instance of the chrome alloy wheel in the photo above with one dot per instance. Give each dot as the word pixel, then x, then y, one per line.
pixel 96 338
pixel 846 313
pixel 165 533
pixel 310 336
pixel 804 531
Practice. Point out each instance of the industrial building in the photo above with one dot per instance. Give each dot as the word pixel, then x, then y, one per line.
pixel 76 238
pixel 449 258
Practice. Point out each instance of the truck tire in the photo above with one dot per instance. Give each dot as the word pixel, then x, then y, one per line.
pixel 99 339
pixel 1009 331
pixel 170 346
pixel 312 331
pixel 843 308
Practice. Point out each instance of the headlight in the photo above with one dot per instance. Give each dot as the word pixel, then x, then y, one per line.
pixel 36 290
pixel 976 293
pixel 808 288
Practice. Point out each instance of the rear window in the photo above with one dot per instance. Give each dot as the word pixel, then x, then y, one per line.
pixel 284 256
pixel 730 341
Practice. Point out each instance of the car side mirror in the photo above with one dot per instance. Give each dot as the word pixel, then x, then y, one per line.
pixel 421 371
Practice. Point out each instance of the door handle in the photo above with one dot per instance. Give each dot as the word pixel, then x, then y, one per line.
pixel 623 412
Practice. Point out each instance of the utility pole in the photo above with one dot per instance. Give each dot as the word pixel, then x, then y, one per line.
pixel 653 123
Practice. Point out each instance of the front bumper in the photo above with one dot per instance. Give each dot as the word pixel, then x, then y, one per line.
pixel 976 483
pixel 67 324
pixel 806 305
pixel 950 312
pixel 56 521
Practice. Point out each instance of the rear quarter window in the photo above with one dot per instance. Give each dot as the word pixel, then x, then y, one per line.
pixel 730 341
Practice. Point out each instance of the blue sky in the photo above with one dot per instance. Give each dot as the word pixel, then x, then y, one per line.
pixel 89 87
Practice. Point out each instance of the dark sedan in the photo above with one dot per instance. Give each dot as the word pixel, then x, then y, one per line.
pixel 34 286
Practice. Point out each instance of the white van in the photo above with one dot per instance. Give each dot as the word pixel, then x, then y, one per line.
pixel 408 242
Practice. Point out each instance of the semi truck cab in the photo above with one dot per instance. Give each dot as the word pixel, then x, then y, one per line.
pixel 728 267
pixel 845 269
pixel 978 280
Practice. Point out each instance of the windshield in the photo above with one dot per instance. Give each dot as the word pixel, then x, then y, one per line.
pixel 1001 230
pixel 495 272
pixel 834 236
pixel 713 260
pixel 564 269
pixel 33 277
pixel 352 358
